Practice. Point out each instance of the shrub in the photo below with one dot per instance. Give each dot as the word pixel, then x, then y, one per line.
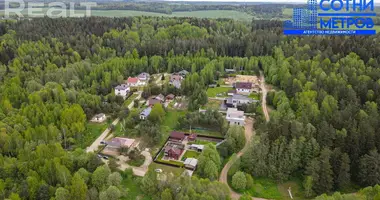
pixel 239 181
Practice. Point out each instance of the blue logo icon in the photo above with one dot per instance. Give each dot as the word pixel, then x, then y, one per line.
pixel 332 17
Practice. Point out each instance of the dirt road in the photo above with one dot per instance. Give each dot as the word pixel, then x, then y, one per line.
pixel 264 99
pixel 223 175
pixel 96 143
pixel 138 171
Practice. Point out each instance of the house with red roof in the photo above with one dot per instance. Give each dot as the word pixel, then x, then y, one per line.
pixel 177 136
pixel 173 150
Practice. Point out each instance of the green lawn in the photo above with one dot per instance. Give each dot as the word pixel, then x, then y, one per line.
pixel 130 100
pixel 204 132
pixel 171 118
pixel 93 130
pixel 133 189
pixel 237 15
pixel 254 96
pixel 191 154
pixel 222 91
pixel 296 187
pixel 167 169
pixel 212 104
pixel 265 188
pixel 204 142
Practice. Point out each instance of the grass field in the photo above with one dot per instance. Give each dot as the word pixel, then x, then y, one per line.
pixel 93 130
pixel 222 91
pixel 265 188
pixel 130 13
pixel 133 189
pixel 191 154
pixel 175 170
pixel 212 104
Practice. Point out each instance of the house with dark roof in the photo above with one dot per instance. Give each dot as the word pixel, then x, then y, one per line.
pixel 153 101
pixel 170 97
pixel 122 90
pixel 173 150
pixel 145 113
pixel 160 97
pixel 243 88
pixel 176 136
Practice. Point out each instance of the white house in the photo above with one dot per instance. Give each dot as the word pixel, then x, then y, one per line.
pixel 235 117
pixel 143 77
pixel 243 88
pixel 176 80
pixel 197 147
pixel 238 100
pixel 145 113
pixel 191 163
pixel 101 117
pixel 122 90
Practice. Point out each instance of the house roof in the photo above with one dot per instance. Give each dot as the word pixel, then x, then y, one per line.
pixel 153 101
pixel 132 80
pixel 120 142
pixel 122 87
pixel 243 85
pixel 174 148
pixel 100 115
pixel 198 146
pixel 146 111
pixel 177 135
pixel 143 75
pixel 191 161
pixel 160 97
pixel 176 77
pixel 170 96
pixel 235 113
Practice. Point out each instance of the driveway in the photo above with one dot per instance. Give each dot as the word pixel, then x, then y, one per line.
pixel 102 137
pixel 223 175
pixel 138 171
pixel 264 100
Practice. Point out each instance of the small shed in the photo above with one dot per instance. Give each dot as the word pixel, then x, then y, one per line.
pixel 191 163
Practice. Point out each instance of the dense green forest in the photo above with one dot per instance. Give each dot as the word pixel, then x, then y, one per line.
pixel 57 73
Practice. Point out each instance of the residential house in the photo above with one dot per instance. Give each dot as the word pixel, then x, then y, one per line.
pixel 177 136
pixel 133 82
pixel 118 142
pixel 243 88
pixel 153 101
pixel 101 117
pixel 235 117
pixel 176 80
pixel 122 90
pixel 191 163
pixel 173 150
pixel 197 147
pixel 143 77
pixel 145 113
pixel 183 73
pixel 170 97
pixel 160 97
pixel 230 71
pixel 238 100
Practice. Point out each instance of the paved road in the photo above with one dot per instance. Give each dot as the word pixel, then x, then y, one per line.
pixel 102 137
pixel 264 99
pixel 223 175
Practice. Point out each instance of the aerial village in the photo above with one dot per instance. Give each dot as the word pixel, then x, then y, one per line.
pixel 181 147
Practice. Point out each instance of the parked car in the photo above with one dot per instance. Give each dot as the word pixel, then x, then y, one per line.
pixel 158 170
pixel 105 157
pixel 102 142
pixel 100 156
